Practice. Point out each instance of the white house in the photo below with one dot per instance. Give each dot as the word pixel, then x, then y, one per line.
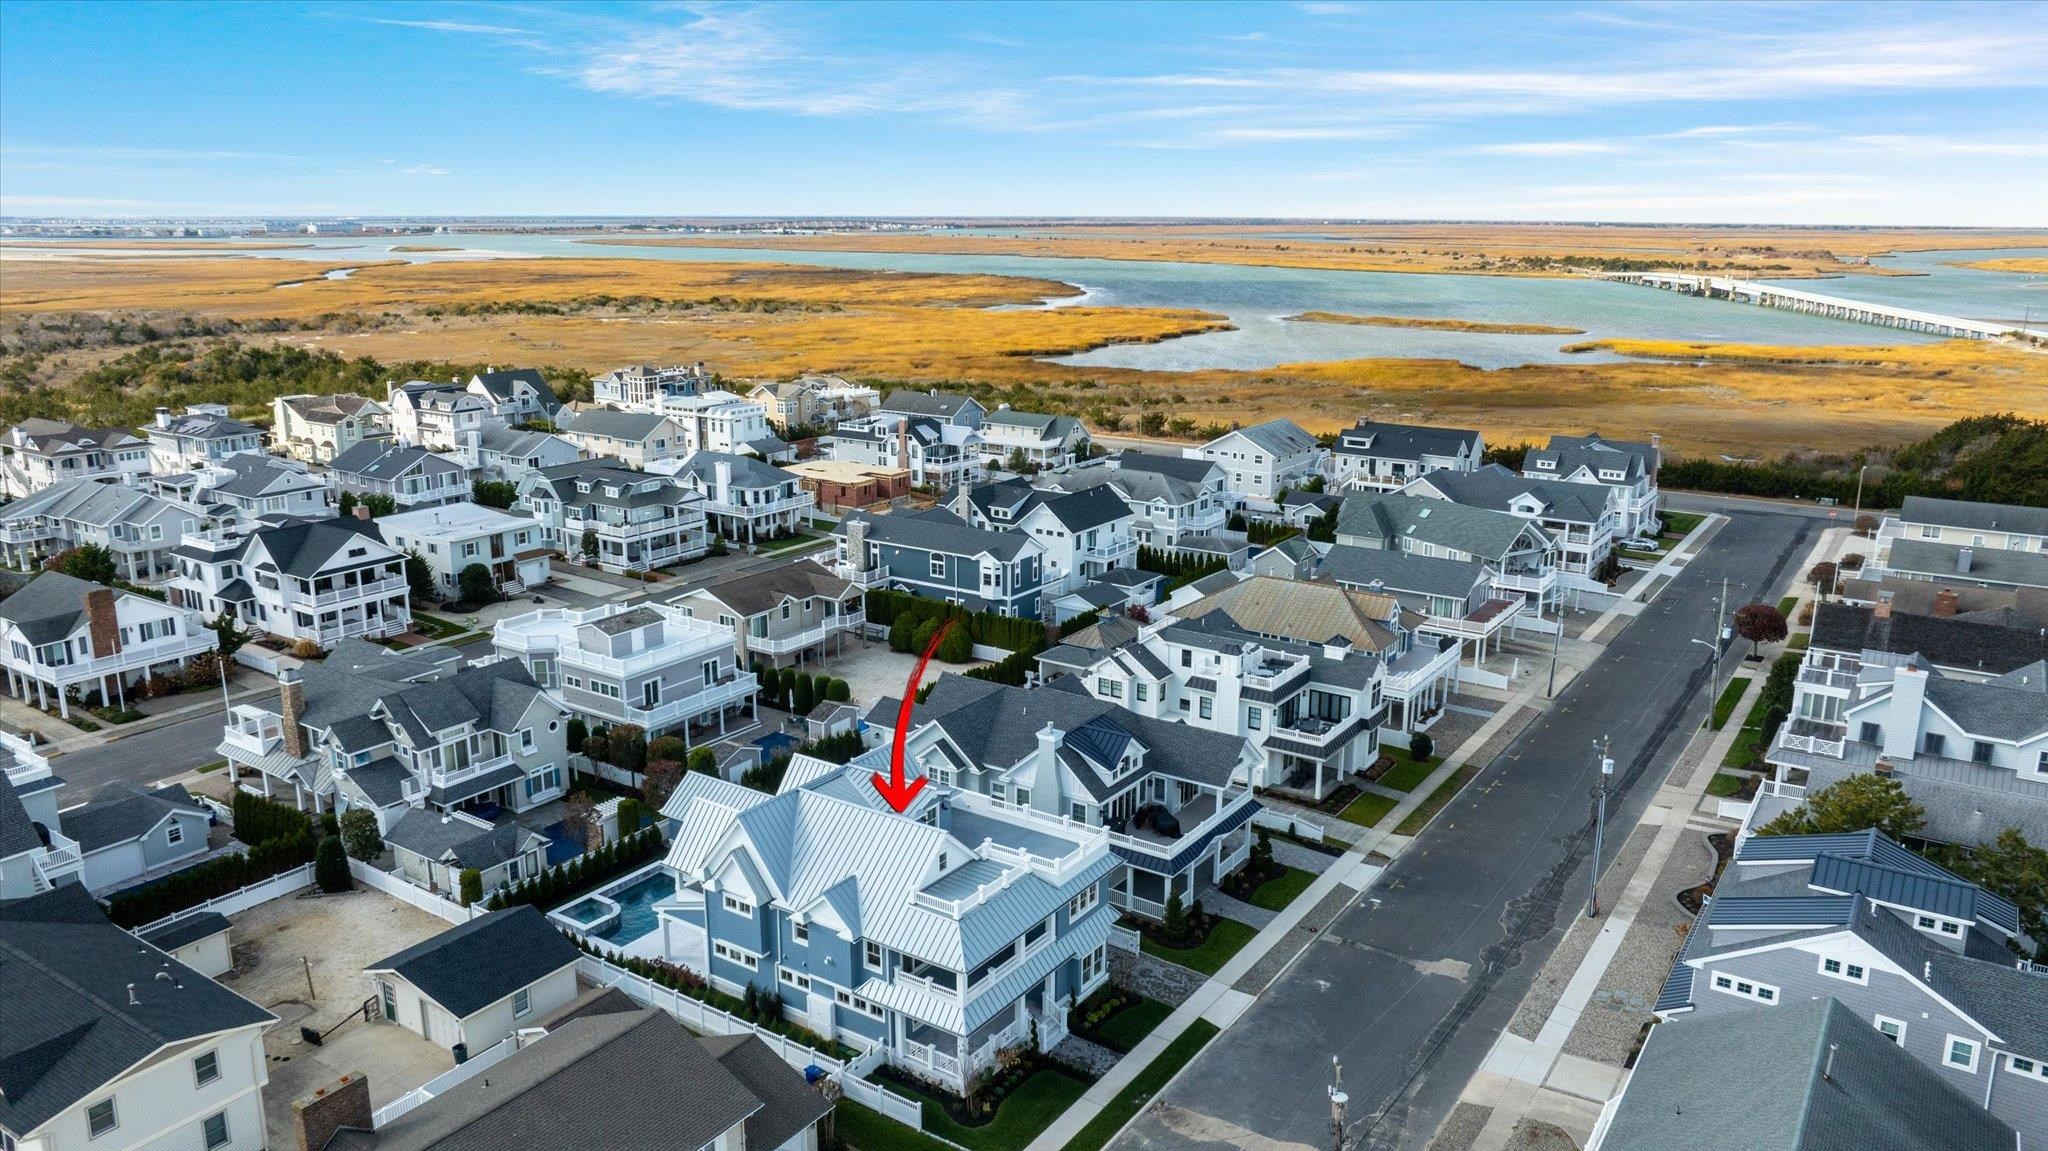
pixel 1171 497
pixel 247 486
pixel 1045 442
pixel 478 982
pixel 62 637
pixel 652 665
pixel 203 435
pixel 127 833
pixel 1084 534
pixel 35 854
pixel 718 421
pixel 1628 466
pixel 39 452
pixel 438 417
pixel 1965 543
pixel 315 429
pixel 1522 555
pixel 317 580
pixel 411 477
pixel 510 455
pixel 433 848
pixel 110 1043
pixel 944 407
pixel 937 454
pixel 453 537
pixel 745 499
pixel 783 614
pixel 1582 518
pixel 622 519
pixel 516 395
pixel 644 387
pixel 140 529
pixel 1264 459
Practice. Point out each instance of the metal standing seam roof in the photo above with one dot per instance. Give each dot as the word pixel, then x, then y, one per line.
pixel 1950 897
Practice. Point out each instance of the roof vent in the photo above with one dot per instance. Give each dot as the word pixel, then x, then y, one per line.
pixel 132 1001
pixel 1828 1072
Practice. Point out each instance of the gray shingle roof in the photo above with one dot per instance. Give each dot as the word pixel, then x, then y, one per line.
pixel 1953 643
pixel 504 386
pixel 1187 469
pixel 386 461
pixel 944 405
pixel 457 840
pixel 760 591
pixel 1974 516
pixel 1398 571
pixel 1280 437
pixel 788 1104
pixel 92 502
pixel 939 531
pixel 611 423
pixel 1989 565
pixel 17 831
pixel 49 607
pixel 747 471
pixel 473 965
pixel 2013 707
pixel 205 427
pixel 1405 441
pixel 125 811
pixel 1809 1076
pixel 635 489
pixel 66 1024
pixel 1497 489
pixel 1487 534
pixel 302 547
pixel 189 929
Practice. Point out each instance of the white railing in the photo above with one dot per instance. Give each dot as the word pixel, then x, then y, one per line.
pixel 193 641
pixel 1230 801
pixel 461 1073
pixel 329 633
pixel 26 533
pixel 235 902
pixel 1272 820
pixel 1272 682
pixel 399 888
pixel 1824 677
pixel 443 777
pixel 929 1057
pixel 777 645
pixel 387 586
pixel 740 687
pixel 1523 581
pixel 753 510
pixel 1125 939
pixel 688 525
pixel 1814 744
pixel 59 860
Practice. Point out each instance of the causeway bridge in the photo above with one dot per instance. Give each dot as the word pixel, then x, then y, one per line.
pixel 1834 307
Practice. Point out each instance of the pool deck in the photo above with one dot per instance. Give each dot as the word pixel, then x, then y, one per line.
pixel 647 945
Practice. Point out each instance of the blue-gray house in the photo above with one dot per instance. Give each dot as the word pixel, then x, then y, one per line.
pixel 938 555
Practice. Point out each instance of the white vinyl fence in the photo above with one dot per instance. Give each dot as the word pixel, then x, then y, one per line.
pixel 702 1017
pixel 1300 828
pixel 281 884
pixel 483 1060
pixel 397 888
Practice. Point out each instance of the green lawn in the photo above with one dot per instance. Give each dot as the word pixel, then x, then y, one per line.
pixel 1730 696
pixel 1126 1028
pixel 1029 1110
pixel 216 765
pixel 1280 890
pixel 1419 818
pixel 1367 809
pixel 1227 939
pixel 1786 605
pixel 1724 785
pixel 866 1130
pixel 1639 557
pixel 1133 1098
pixel 434 627
pixel 1404 776
pixel 1743 750
pixel 1679 524
pixel 1799 642
pixel 799 540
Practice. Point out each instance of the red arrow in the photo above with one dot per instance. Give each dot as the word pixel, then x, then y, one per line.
pixel 896 792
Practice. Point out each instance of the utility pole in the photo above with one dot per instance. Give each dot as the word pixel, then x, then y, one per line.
pixel 1556 639
pixel 1599 827
pixel 1859 495
pixel 1338 1100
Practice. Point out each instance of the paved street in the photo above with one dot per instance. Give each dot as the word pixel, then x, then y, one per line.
pixel 1411 984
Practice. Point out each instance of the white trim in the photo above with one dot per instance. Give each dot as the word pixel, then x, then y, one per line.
pixel 2035 1068
pixel 1948 1047
pixel 1845 971
pixel 1878 1022
pixel 1736 983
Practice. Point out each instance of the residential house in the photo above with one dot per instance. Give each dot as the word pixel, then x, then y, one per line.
pixel 37 453
pixel 1374 456
pixel 410 477
pixel 2025 607
pixel 107 1042
pixel 1916 953
pixel 651 664
pixel 949 408
pixel 1628 466
pixel 1455 598
pixel 1295 557
pixel 314 580
pixel 1522 555
pixel 837 485
pixel 1041 442
pixel 607 1069
pixel 719 421
pixel 35 854
pixel 438 417
pixel 937 454
pixel 63 638
pixel 814 401
pixel 203 435
pixel 622 519
pixel 1583 518
pixel 744 499
pixel 1113 593
pixel 1965 543
pixel 1167 504
pixel 510 455
pixel 315 429
pixel 1972 752
pixel 478 982
pixel 635 439
pixel 782 615
pixel 1953 646
pixel 390 732
pixel 644 387
pixel 516 395
pixel 942 934
pixel 138 528
pixel 937 554
pixel 1265 459
pixel 433 848
pixel 1084 534
pixel 127 833
pixel 453 538
pixel 247 487
pixel 1304 509
pixel 1809 1074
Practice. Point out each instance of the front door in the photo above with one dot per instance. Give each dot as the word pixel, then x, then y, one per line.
pixel 650 693
pixel 389 1000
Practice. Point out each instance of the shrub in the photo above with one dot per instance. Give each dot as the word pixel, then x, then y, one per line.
pixel 629 746
pixel 598 746
pixel 805 696
pixel 330 867
pixel 957 647
pixel 1420 746
pixel 667 747
pixel 472 885
pixel 359 834
pixel 703 761
pixel 578 731
pixel 306 649
pixel 477 585
pixel 659 781
pixel 330 825
pixel 838 691
pixel 259 820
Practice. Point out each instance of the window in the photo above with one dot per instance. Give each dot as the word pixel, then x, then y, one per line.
pixel 856 1003
pixel 1255 718
pixel 1207 708
pixel 1142 692
pixel 522 1002
pixel 1892 1029
pixel 738 906
pixel 1094 964
pixel 938 567
pixel 1870 733
pixel 872 953
pixel 99 1118
pixel 206 1069
pixel 174 834
pixel 1931 743
pixel 526 739
pixel 1843 969
pixel 801 932
pixel 1083 902
pixel 1961 1053
pixel 1109 688
pixel 1980 752
pixel 731 954
pixel 1746 989
pixel 2031 1068
pixel 1187 658
pixel 796 979
pixel 215 1129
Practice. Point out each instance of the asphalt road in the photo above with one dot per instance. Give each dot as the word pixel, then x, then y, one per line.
pixel 1411 985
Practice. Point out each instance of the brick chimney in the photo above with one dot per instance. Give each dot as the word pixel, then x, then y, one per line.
pixel 1882 609
pixel 291 703
pixel 361 512
pixel 103 626
pixel 1946 601
pixel 343 1103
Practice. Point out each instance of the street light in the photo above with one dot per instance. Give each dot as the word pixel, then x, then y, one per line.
pixel 1599 827
pixel 1859 494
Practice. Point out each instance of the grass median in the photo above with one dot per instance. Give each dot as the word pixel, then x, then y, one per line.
pixel 1444 793
pixel 1409 775
pixel 1730 696
pixel 1147 1085
pixel 1367 809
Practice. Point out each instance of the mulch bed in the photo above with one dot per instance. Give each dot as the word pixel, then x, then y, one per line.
pixel 1694 898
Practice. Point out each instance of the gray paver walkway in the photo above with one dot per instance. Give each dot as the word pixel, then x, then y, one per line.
pixel 1288 853
pixel 1232 908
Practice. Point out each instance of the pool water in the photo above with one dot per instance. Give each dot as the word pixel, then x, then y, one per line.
pixel 636 907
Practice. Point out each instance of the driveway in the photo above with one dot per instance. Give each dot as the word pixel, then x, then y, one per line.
pixel 872 671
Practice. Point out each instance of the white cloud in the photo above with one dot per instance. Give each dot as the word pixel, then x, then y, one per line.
pixel 458 26
pixel 1549 148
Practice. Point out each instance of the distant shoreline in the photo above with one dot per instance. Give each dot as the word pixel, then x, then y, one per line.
pixel 1479 326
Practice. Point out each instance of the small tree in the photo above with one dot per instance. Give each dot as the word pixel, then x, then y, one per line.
pixel 1822 576
pixel 1152 424
pixel 1175 922
pixel 1866 525
pixel 359 834
pixel 667 747
pixel 578 731
pixel 330 867
pixel 838 691
pixel 925 632
pixel 703 761
pixel 598 746
pixel 785 685
pixel 660 781
pixel 588 545
pixel 228 633
pixel 803 696
pixel 89 562
pixel 1262 849
pixel 2016 869
pixel 579 820
pixel 1853 562
pixel 629 746
pixel 472 885
pixel 1420 746
pixel 903 634
pixel 419 578
pixel 477 584
pixel 346 505
pixel 379 504
pixel 1760 623
pixel 958 646
pixel 1853 804
pixel 1015 461
pixel 495 493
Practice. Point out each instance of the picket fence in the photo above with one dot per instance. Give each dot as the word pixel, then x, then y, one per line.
pixel 703 1017
pixel 398 888
pixel 482 1061
pixel 263 891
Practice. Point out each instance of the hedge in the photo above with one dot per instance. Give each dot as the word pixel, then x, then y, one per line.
pixel 565 881
pixel 1011 633
pixel 1178 568
pixel 258 820
pixel 1010 669
pixel 209 880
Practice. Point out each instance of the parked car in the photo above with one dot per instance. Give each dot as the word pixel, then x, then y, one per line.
pixel 1640 544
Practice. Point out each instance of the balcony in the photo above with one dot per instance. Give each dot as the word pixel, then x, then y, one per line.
pixel 1195 815
pixel 1274 673
pixel 375 589
pixel 1526 579
pixel 616 530
pixel 1109 553
pixel 447 777
pixel 27 533
pixel 378 628
pixel 59 861
pixel 1312 730
pixel 1828 678
pixel 255 731
pixel 784 644
pixel 1814 737
pixel 764 508
pixel 736 688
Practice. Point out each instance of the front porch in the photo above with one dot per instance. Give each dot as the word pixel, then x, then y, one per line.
pixel 952 1061
pixel 109 677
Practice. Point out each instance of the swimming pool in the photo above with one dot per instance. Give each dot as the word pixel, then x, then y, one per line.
pixel 636 907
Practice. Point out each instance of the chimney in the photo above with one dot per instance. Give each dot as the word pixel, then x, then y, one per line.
pixel 1902 723
pixel 1045 788
pixel 902 442
pixel 103 626
pixel 857 544
pixel 291 703
pixel 1882 609
pixel 1963 561
pixel 163 417
pixel 361 512
pixel 1945 603
pixel 722 470
pixel 1883 767
pixel 344 1103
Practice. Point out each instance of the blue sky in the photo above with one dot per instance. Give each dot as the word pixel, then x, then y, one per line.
pixel 1798 113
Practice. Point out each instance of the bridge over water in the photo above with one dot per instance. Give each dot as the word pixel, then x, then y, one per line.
pixel 1834 307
